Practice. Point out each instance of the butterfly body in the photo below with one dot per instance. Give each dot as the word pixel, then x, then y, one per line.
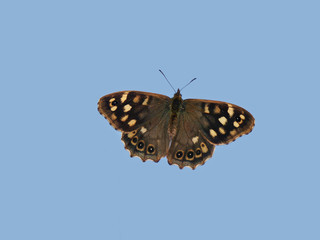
pixel 186 131
pixel 176 107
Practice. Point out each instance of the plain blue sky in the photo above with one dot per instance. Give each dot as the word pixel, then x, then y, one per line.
pixel 64 173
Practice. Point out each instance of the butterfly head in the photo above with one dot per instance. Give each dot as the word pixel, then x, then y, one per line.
pixel 177 97
pixel 177 94
pixel 176 101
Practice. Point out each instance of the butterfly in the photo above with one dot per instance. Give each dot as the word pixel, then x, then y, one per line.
pixel 186 131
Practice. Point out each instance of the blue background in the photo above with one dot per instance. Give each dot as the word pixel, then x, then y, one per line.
pixel 64 172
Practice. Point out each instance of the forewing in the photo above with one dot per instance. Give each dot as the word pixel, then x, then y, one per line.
pixel 129 110
pixel 220 122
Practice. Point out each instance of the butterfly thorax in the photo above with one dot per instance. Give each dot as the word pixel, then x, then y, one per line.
pixel 175 106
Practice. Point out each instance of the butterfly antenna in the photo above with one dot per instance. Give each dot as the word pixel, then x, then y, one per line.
pixel 167 80
pixel 188 83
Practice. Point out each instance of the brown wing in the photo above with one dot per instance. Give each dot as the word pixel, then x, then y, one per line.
pixel 189 147
pixel 202 124
pixel 143 120
pixel 220 122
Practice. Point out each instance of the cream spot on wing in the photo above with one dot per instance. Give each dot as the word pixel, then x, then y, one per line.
pixel 221 130
pixel 230 110
pixel 131 134
pixel 132 122
pixel 113 116
pixel 242 117
pixel 124 118
pixel 204 147
pixel 127 108
pixel 136 99
pixel 223 120
pixel 233 132
pixel 145 102
pixel 114 108
pixel 206 108
pixel 195 139
pixel 213 133
pixel 143 130
pixel 111 100
pixel 216 109
pixel 124 97
pixel 236 124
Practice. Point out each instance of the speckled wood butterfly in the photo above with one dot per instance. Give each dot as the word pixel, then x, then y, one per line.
pixel 186 131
